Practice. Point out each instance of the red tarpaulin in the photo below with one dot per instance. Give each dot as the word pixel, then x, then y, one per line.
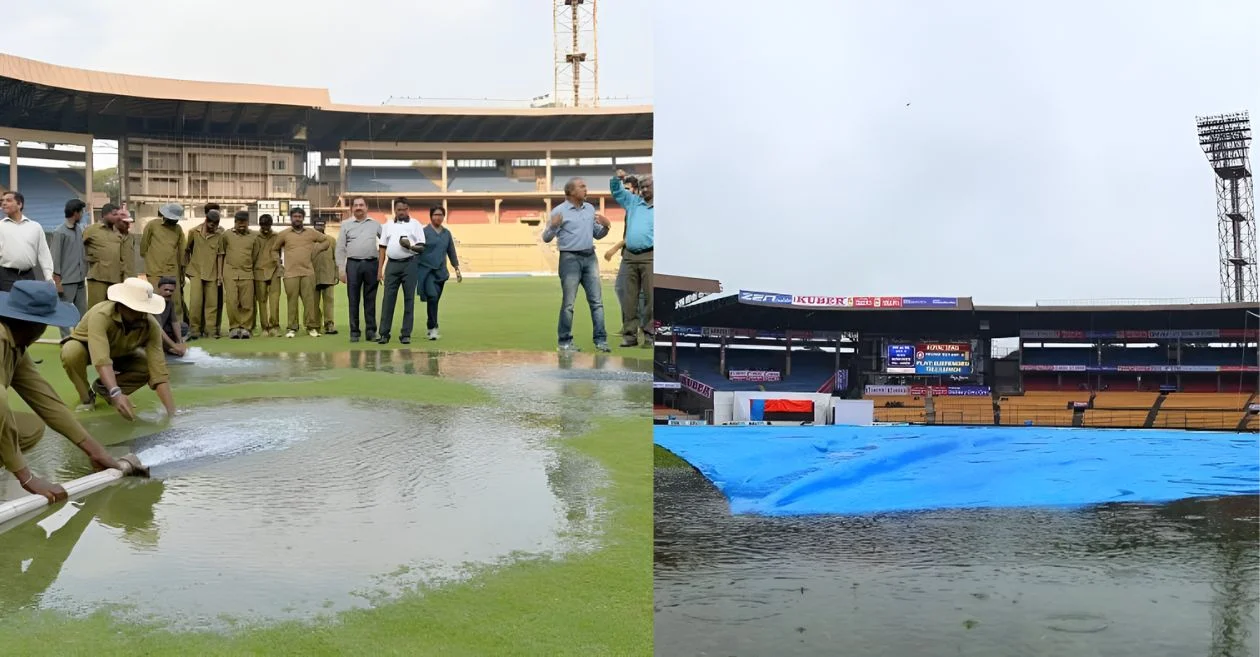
pixel 789 406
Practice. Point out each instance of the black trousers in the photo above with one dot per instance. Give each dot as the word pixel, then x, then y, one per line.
pixel 432 304
pixel 10 276
pixel 362 283
pixel 399 274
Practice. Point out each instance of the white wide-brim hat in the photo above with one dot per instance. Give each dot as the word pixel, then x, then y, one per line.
pixel 137 295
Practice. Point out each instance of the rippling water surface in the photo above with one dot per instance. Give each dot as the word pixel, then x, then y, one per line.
pixel 1130 580
pixel 269 510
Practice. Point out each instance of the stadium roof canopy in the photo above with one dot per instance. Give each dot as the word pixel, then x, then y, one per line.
pixel 39 96
pixel 963 320
pixel 667 290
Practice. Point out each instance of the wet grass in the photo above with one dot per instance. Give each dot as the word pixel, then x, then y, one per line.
pixel 663 458
pixel 589 604
pixel 484 314
pixel 592 604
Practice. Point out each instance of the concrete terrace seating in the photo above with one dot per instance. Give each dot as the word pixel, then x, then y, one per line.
pixel 46 192
pixel 963 410
pixel 1205 400
pixel 1106 417
pixel 1182 418
pixel 596 177
pixel 1125 400
pixel 481 181
pixel 401 180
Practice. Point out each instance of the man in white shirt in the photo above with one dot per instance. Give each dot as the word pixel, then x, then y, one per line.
pixel 24 253
pixel 401 240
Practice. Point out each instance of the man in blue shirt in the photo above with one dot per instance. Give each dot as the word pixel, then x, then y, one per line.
pixel 575 226
pixel 637 257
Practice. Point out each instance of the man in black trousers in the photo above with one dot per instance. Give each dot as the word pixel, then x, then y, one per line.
pixel 358 261
pixel 401 241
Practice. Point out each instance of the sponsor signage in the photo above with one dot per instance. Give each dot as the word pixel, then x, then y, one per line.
pixel 753 375
pixel 666 385
pixel 862 302
pixel 1137 369
pixel 697 387
pixel 842 380
pixel 770 298
pixel 929 302
pixel 820 302
pixel 1160 334
pixel 919 391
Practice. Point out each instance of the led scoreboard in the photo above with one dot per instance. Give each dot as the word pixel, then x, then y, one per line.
pixel 930 358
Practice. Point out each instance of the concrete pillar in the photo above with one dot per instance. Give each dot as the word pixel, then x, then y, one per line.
pixel 87 173
pixel 13 164
pixel 444 180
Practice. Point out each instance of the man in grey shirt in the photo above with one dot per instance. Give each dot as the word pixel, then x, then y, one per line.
pixel 69 260
pixel 575 226
pixel 358 259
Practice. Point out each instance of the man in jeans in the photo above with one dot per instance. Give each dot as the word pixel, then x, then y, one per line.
pixel 637 258
pixel 575 226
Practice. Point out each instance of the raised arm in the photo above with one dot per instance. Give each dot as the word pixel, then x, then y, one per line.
pixel 619 193
pixel 553 225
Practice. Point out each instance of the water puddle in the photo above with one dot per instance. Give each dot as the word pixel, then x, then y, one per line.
pixel 271 510
pixel 1112 579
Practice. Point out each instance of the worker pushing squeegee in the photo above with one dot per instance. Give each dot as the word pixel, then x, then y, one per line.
pixel 25 312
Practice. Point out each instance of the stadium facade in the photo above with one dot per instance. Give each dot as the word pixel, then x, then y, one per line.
pixel 497 172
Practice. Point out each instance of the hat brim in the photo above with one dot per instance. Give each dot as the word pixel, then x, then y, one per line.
pixel 153 305
pixel 65 315
pixel 172 217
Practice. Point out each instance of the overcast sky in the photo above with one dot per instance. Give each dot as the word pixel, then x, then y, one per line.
pixel 1006 151
pixel 364 52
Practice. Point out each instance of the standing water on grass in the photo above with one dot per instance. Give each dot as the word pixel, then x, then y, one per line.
pixel 270 510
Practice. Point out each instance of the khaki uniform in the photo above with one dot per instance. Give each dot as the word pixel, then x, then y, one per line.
pixel 326 279
pixel 202 255
pixel 268 275
pixel 101 339
pixel 240 252
pixel 103 249
pixel 129 251
pixel 162 248
pixel 21 431
pixel 299 250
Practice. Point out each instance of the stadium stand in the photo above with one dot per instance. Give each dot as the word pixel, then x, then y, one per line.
pixel 45 190
pixel 809 369
pixel 400 180
pixel 485 180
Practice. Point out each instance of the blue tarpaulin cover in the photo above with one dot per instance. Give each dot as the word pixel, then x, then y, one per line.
pixel 778 471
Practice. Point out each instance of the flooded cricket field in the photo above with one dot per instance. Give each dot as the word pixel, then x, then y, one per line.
pixel 1130 580
pixel 269 510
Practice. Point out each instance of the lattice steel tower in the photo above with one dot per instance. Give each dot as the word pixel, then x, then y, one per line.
pixel 1225 139
pixel 576 53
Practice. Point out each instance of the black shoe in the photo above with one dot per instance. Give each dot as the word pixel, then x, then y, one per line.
pixel 372 336
pixel 354 338
pixel 405 340
pixel 384 339
pixel 330 332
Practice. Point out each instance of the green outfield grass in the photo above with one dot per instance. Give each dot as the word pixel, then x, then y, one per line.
pixel 480 314
pixel 599 603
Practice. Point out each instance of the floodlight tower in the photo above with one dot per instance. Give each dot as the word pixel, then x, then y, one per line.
pixel 576 53
pixel 1225 139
